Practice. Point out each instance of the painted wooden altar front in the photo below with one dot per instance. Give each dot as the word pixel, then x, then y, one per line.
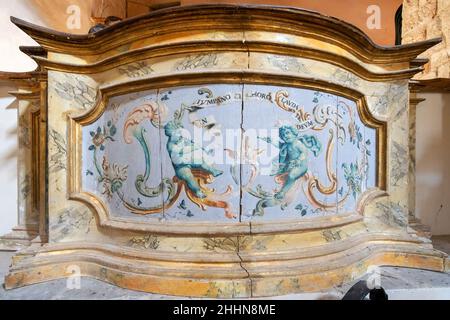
pixel 221 151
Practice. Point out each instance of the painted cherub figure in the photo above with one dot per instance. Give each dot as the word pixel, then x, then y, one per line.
pixel 186 155
pixel 293 156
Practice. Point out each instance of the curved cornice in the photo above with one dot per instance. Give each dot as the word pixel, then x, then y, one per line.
pixel 227 18
pixel 192 47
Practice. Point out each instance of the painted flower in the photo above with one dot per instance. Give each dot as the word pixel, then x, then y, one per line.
pixel 100 136
pixel 98 139
pixel 353 178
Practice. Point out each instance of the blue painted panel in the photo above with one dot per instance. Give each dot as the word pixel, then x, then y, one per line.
pixel 229 153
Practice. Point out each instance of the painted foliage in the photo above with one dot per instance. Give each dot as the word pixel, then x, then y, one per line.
pixel 229 152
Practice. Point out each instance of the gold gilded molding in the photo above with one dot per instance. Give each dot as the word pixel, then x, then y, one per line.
pixel 157 256
pixel 76 122
pixel 191 47
pixel 36 164
pixel 203 18
pixel 42 160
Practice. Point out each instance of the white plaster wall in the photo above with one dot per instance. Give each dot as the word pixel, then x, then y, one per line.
pixel 433 162
pixel 11 59
pixel 8 161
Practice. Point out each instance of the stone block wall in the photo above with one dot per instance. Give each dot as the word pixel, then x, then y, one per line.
pixel 427 19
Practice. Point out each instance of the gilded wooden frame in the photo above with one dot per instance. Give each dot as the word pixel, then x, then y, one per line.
pixel 222 17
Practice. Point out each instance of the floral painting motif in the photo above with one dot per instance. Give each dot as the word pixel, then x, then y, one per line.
pixel 71 221
pixel 113 177
pixel 192 171
pixel 145 162
pixel 145 242
pixel 75 89
pixel 110 176
pixel 400 156
pixel 136 70
pixel 231 244
pixel 332 235
pixel 393 214
pixel 356 153
pixel 353 178
pixel 197 61
pixel 287 64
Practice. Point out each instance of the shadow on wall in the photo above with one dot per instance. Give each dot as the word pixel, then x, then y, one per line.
pixel 433 162
pixel 8 160
pixel 8 156
pixel 445 213
pixel 8 134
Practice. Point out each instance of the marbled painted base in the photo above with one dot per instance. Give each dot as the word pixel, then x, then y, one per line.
pixel 218 276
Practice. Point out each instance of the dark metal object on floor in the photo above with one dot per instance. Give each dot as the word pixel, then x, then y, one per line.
pixel 359 291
